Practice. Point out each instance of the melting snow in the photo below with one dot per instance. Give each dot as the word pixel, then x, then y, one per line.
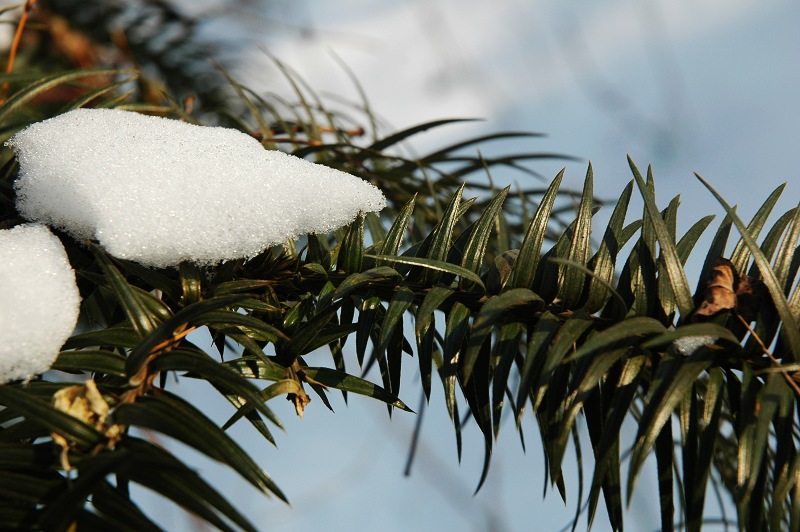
pixel 160 191
pixel 39 300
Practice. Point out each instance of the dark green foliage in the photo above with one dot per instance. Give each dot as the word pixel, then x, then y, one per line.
pixel 536 321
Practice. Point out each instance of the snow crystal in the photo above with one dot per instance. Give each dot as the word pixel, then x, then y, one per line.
pixel 161 191
pixel 38 300
pixel 688 345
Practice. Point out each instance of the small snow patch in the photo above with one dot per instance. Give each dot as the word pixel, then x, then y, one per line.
pixel 39 301
pixel 688 345
pixel 160 191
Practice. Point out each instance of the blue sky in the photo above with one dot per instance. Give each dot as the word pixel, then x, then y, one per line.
pixel 707 85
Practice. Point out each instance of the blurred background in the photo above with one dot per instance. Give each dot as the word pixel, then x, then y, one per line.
pixel 706 86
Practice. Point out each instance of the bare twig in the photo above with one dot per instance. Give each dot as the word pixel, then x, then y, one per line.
pixel 12 54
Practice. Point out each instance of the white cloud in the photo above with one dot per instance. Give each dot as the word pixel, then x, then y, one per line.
pixel 426 59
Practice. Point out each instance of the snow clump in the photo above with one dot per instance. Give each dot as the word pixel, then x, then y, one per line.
pixel 39 301
pixel 688 345
pixel 160 191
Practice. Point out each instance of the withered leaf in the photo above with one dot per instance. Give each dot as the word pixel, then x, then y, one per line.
pixel 300 400
pixel 85 402
pixel 727 290
pixel 720 292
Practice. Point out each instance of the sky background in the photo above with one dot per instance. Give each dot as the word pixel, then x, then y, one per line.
pixel 707 86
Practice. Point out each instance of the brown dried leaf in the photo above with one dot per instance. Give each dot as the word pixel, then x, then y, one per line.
pixel 720 292
pixel 727 290
pixel 85 402
pixel 299 400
